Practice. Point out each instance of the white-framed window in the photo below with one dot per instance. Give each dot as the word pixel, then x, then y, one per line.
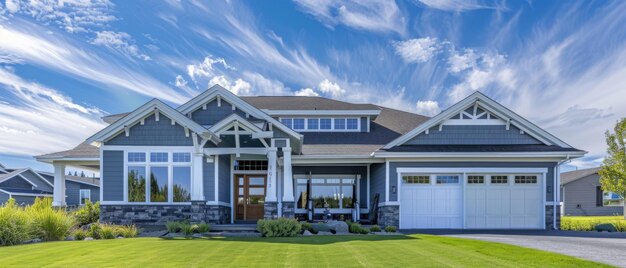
pixel 332 191
pixel 416 179
pixel 499 179
pixel 166 178
pixel 525 179
pixel 338 124
pixel 447 179
pixel 475 179
pixel 84 195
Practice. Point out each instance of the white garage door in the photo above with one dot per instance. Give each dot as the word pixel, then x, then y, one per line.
pixel 503 201
pixel 431 201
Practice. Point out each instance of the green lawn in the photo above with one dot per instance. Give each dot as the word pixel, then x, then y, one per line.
pixel 343 251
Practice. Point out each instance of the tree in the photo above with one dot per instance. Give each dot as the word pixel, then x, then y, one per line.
pixel 613 170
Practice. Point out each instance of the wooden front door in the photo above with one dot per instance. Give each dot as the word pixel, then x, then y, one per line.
pixel 250 200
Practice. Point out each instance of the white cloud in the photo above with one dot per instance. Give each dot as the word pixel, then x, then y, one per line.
pixel 119 41
pixel 330 88
pixel 307 92
pixel 40 120
pixel 417 50
pixel 378 16
pixel 12 6
pixel 238 87
pixel 180 81
pixel 207 68
pixel 459 62
pixel 456 5
pixel 263 86
pixel 480 72
pixel 428 108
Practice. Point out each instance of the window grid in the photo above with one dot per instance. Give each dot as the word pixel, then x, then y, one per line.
pixel 136 157
pixel 158 157
pixel 250 165
pixel 322 124
pixel 313 123
pixel 447 179
pixel 523 179
pixel 416 179
pixel 340 123
pixel 499 179
pixel 286 122
pixel 298 123
pixel 475 179
pixel 352 123
pixel 325 123
pixel 181 157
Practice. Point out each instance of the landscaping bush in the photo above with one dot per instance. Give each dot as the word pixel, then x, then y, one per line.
pixel 173 226
pixel 94 230
pixel 186 229
pixel 127 231
pixel 375 228
pixel 203 228
pixel 80 234
pixel 14 224
pixel 356 228
pixel 391 229
pixel 47 223
pixel 87 214
pixel 584 223
pixel 306 226
pixel 281 227
pixel 108 231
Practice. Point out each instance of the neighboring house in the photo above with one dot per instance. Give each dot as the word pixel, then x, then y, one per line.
pixel 24 185
pixel 221 158
pixel 582 195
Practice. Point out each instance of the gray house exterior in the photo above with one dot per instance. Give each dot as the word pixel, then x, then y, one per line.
pixel 582 196
pixel 25 185
pixel 222 158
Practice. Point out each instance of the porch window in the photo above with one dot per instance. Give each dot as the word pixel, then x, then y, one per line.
pixel 85 194
pixel 336 192
pixel 158 184
pixel 136 184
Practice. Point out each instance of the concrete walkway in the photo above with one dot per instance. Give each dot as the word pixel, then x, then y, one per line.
pixel 609 248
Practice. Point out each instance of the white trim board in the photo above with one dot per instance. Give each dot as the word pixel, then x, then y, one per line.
pixel 323 112
pixel 471 170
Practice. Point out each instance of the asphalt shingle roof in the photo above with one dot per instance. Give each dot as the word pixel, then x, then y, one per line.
pixel 567 177
pixel 481 148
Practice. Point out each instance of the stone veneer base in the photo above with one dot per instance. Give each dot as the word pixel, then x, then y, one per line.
pixel 197 212
pixel 389 216
pixel 289 209
pixel 270 210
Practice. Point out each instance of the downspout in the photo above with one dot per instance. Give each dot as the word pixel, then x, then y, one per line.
pixel 557 189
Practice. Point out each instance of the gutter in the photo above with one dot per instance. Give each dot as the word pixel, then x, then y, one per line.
pixel 557 189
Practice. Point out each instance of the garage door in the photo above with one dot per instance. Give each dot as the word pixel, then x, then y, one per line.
pixel 503 201
pixel 431 201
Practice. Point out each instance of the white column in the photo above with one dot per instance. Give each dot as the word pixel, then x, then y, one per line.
pixel 270 196
pixel 58 196
pixel 197 187
pixel 287 176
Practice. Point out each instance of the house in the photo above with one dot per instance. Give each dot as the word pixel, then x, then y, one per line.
pixel 582 195
pixel 25 184
pixel 221 158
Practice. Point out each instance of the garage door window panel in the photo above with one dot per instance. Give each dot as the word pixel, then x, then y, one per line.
pixel 416 179
pixel 499 179
pixel 476 179
pixel 447 179
pixel 525 179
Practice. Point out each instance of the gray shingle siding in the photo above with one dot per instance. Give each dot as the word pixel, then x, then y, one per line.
pixel 41 184
pixel 153 133
pixel 214 114
pixel 583 192
pixel 208 177
pixel 468 135
pixel 112 180
pixel 72 192
pixel 393 175
pixel 24 200
pixel 4 197
pixel 16 182
pixel 377 181
pixel 224 179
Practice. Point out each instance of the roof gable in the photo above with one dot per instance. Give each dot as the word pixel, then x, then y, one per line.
pixel 571 176
pixel 17 174
pixel 155 107
pixel 470 106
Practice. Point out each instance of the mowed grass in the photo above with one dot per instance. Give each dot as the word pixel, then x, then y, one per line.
pixel 319 251
pixel 588 223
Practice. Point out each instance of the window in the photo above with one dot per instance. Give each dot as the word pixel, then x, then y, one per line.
pixel 158 184
pixel 499 179
pixel 136 184
pixel 182 184
pixel 286 122
pixel 313 123
pixel 334 192
pixel 340 123
pixel 475 179
pixel 352 123
pixel 298 123
pixel 447 179
pixel 158 157
pixel 611 199
pixel 250 165
pixel 325 123
pixel 599 196
pixel 136 157
pixel 85 194
pixel 181 157
pixel 525 179
pixel 416 179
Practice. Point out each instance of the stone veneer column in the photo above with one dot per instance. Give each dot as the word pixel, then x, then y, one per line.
pixel 389 216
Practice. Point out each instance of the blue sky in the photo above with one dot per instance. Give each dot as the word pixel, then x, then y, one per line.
pixel 64 64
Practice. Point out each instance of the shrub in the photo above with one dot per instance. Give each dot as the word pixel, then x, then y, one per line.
pixel 14 224
pixel 94 230
pixel 391 229
pixel 80 234
pixel 375 228
pixel 585 223
pixel 127 231
pixel 203 228
pixel 356 228
pixel 306 226
pixel 186 229
pixel 173 226
pixel 47 223
pixel 108 231
pixel 87 214
pixel 281 227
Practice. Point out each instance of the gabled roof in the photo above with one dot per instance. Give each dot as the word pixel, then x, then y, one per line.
pixel 16 173
pixel 571 176
pixel 144 111
pixel 304 103
pixel 25 192
pixel 217 90
pixel 492 107
pixel 80 152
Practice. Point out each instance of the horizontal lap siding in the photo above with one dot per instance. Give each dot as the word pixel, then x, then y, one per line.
pixel 113 175
pixel 24 200
pixel 208 179
pixel 473 135
pixel 393 175
pixel 42 185
pixel 153 133
pixel 583 192
pixel 214 114
pixel 95 192
pixel 72 192
pixel 377 181
pixel 224 178
pixel 16 182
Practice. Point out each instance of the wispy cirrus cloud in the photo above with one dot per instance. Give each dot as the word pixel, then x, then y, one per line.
pixel 460 5
pixel 119 41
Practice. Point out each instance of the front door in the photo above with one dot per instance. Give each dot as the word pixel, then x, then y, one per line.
pixel 249 204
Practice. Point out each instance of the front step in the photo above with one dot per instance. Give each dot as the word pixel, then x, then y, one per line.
pixel 233 228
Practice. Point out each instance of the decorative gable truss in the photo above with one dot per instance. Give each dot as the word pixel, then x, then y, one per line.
pixel 478 109
pixel 237 126
pixel 199 134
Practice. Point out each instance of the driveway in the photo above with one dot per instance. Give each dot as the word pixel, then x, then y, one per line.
pixel 606 248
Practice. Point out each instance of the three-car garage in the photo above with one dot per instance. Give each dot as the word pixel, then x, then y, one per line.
pixel 471 198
